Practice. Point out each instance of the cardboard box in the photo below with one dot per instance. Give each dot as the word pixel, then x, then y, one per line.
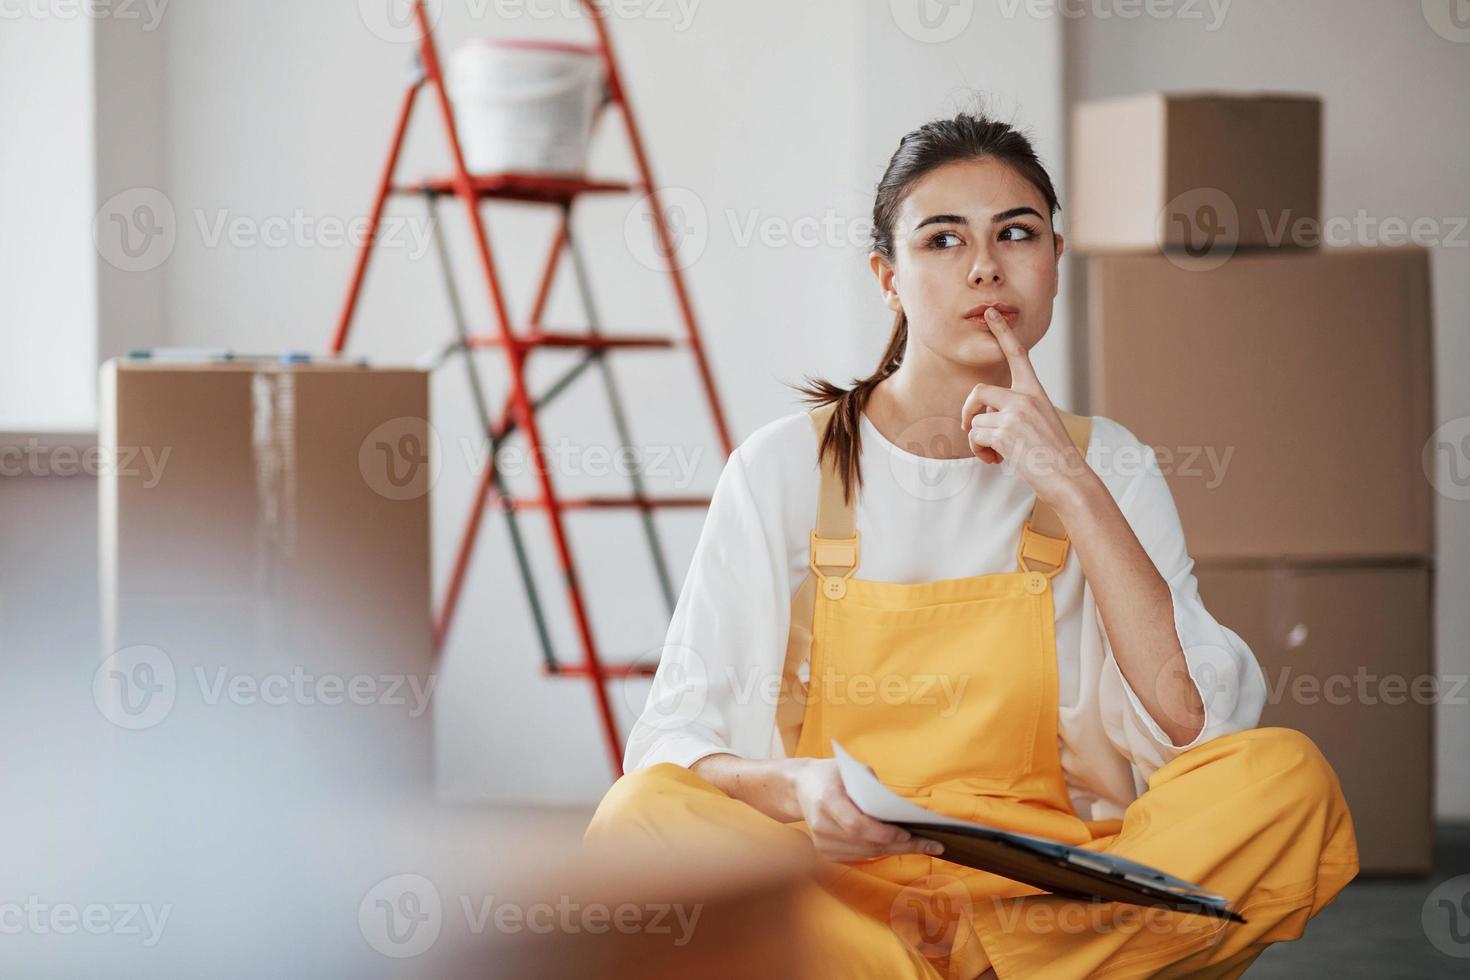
pixel 1288 395
pixel 265 565
pixel 1348 658
pixel 1183 169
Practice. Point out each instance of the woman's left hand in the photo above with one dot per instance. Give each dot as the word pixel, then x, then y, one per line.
pixel 1021 424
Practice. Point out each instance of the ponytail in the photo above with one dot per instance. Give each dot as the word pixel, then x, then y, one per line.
pixel 843 441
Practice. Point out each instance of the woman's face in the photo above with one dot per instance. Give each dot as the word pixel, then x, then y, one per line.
pixel 967 234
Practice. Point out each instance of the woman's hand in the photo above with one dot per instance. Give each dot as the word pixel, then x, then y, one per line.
pixel 840 831
pixel 1021 424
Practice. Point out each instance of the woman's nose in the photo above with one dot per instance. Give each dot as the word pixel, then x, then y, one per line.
pixel 985 270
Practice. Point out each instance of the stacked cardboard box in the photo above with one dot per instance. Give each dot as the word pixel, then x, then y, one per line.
pixel 265 574
pixel 1287 390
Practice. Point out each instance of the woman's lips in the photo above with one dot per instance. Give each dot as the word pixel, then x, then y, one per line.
pixel 1009 315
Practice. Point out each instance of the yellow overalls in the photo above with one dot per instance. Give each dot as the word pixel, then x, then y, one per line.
pixel 948 690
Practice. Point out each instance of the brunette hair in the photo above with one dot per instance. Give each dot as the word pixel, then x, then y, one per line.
pixel 966 136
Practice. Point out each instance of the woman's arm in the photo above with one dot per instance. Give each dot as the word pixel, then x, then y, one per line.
pixel 1019 423
pixel 766 784
pixel 1136 607
pixel 726 633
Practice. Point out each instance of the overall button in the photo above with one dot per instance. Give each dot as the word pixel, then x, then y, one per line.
pixel 834 588
pixel 1035 583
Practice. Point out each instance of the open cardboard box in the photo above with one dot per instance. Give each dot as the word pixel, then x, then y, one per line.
pixel 265 551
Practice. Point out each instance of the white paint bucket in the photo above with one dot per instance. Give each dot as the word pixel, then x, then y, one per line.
pixel 524 105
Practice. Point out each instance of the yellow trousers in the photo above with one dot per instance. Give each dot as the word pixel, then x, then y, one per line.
pixel 1256 815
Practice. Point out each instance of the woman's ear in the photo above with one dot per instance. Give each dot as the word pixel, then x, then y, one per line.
pixel 1056 274
pixel 886 281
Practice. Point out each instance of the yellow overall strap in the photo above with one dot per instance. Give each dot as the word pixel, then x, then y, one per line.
pixel 835 540
pixel 834 549
pixel 1044 540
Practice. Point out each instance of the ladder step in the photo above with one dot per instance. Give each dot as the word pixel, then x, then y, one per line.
pixel 605 503
pixel 532 340
pixel 541 188
pixel 608 670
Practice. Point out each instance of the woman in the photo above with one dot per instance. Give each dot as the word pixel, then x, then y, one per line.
pixel 993 608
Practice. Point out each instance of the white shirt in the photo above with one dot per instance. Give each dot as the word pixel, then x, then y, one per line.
pixel 923 519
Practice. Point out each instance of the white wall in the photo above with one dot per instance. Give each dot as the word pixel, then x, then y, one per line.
pixel 131 135
pixel 48 290
pixel 764 112
pixel 81 153
pixel 1397 134
pixel 274 116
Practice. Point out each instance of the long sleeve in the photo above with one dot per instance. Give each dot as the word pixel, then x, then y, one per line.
pixel 1225 671
pixel 710 693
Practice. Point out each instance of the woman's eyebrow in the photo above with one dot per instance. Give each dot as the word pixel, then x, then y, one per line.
pixel 956 219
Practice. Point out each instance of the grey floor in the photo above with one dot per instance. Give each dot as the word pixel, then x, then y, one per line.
pixel 1378 927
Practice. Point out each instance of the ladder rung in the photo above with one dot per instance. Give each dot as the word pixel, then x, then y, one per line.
pixel 581 340
pixel 512 186
pixel 608 670
pixel 605 503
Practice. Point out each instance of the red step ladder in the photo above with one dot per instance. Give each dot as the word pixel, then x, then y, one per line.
pixel 519 411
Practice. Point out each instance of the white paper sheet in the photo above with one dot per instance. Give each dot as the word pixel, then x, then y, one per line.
pixel 882 803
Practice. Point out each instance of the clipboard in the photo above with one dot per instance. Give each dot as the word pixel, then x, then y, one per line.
pixel 1061 869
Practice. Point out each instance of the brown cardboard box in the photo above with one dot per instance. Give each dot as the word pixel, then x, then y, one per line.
pixel 259 554
pixel 1288 395
pixel 1184 169
pixel 1348 658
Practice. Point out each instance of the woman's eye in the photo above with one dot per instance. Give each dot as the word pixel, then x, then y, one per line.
pixel 1030 232
pixel 934 242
